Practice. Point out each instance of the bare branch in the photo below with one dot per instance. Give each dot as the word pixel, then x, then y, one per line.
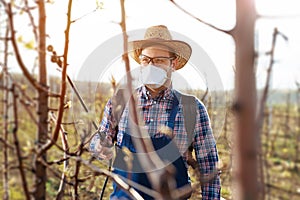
pixel 161 178
pixel 5 119
pixel 260 117
pixel 198 19
pixel 263 102
pixel 79 18
pixel 204 95
pixel 267 84
pixel 63 84
pixel 65 145
pixel 73 86
pixel 77 170
pixel 28 11
pixel 18 149
pixel 4 141
pixel 118 180
pixel 53 171
pixel 17 52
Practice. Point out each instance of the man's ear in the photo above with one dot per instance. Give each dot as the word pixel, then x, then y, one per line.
pixel 174 63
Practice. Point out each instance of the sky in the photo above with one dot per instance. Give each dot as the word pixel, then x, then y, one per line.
pixel 93 28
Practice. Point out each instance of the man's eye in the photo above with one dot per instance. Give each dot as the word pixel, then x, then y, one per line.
pixel 145 60
pixel 159 60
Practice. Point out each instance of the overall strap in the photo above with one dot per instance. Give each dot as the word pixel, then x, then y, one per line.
pixel 172 116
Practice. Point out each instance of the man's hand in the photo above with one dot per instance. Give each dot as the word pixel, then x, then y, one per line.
pixel 104 147
pixel 190 159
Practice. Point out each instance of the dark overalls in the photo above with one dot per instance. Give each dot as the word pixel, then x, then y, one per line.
pixel 166 150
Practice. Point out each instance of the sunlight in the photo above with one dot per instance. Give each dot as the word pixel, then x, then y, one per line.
pixel 92 28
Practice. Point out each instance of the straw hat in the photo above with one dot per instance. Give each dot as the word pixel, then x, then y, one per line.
pixel 161 35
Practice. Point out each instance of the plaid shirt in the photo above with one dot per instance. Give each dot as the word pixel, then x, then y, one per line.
pixel 155 112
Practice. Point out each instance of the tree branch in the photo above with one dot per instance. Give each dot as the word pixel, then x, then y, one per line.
pixel 163 176
pixel 63 84
pixel 198 19
pixel 118 180
pixel 26 73
pixel 16 141
pixel 5 118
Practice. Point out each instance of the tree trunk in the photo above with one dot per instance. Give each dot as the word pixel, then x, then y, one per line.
pixel 42 106
pixel 245 106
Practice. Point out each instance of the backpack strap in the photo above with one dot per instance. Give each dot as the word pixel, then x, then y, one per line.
pixel 189 113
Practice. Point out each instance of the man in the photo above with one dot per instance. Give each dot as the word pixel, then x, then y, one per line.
pixel 159 55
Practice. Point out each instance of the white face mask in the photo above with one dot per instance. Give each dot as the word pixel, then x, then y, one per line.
pixel 153 76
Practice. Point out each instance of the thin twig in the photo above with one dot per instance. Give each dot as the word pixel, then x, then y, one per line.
pixel 16 141
pixel 118 180
pixel 20 61
pixel 204 95
pixel 5 121
pixel 198 19
pixel 263 102
pixel 5 143
pixel 53 171
pixel 65 160
pixel 77 170
pixel 29 112
pixel 31 18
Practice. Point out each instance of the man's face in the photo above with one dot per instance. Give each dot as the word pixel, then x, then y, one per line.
pixel 160 57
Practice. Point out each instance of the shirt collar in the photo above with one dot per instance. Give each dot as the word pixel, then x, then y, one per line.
pixel 166 93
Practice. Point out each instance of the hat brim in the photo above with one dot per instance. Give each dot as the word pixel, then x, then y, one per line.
pixel 182 50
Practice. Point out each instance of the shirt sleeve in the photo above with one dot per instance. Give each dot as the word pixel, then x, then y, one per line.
pixel 106 126
pixel 206 155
